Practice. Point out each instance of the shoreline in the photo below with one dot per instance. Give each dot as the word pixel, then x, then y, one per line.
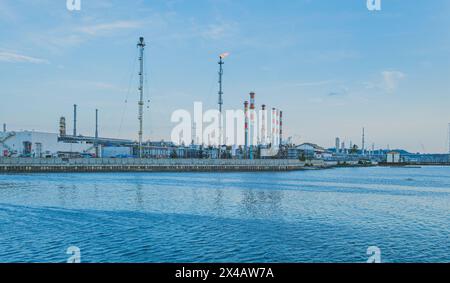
pixel 23 165
pixel 110 165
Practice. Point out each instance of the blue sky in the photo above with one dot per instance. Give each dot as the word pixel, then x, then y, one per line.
pixel 332 66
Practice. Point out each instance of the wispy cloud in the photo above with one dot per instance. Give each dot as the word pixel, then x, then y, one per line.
pixel 107 86
pixel 219 31
pixel 109 27
pixel 63 37
pixel 388 83
pixel 391 79
pixel 314 83
pixel 20 58
pixel 340 91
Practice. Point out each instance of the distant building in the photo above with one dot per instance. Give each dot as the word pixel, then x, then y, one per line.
pixel 337 145
pixel 293 153
pixel 38 145
pixel 117 152
pixel 311 151
pixel 393 157
pixel 158 150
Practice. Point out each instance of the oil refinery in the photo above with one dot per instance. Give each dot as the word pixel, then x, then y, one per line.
pixel 263 140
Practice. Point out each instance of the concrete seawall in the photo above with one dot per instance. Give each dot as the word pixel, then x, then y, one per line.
pixel 36 165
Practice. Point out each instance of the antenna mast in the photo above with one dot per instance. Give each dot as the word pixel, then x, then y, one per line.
pixel 220 102
pixel 222 56
pixel 141 46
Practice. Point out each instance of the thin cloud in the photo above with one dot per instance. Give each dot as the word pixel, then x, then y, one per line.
pixel 219 31
pixel 315 83
pixel 19 58
pixel 109 27
pixel 340 92
pixel 391 80
pixel 108 86
pixel 388 82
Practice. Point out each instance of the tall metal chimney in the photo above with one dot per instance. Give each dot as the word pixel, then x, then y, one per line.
pixel 141 46
pixel 263 125
pixel 62 126
pixel 96 123
pixel 281 127
pixel 74 120
pixel 97 150
pixel 273 126
pixel 252 123
pixel 220 101
pixel 246 125
pixel 277 129
pixel 363 148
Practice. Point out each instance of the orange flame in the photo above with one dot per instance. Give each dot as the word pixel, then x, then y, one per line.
pixel 224 55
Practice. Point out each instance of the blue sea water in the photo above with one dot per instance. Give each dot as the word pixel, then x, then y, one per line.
pixel 305 216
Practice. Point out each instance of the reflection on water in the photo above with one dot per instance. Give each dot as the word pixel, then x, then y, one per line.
pixel 311 216
pixel 262 204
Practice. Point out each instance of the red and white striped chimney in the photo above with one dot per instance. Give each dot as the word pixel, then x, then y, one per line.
pixel 273 126
pixel 281 127
pixel 246 123
pixel 252 118
pixel 263 124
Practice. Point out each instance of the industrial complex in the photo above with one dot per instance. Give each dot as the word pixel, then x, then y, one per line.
pixel 263 141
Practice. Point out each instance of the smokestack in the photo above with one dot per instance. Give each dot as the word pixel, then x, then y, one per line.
pixel 274 126
pixel 338 144
pixel 246 124
pixel 281 127
pixel 363 148
pixel 74 120
pixel 97 150
pixel 263 125
pixel 62 126
pixel 96 123
pixel 4 127
pixel 277 129
pixel 252 123
pixel 252 118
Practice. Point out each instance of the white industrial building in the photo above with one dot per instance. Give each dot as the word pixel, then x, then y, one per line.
pixel 38 144
pixel 308 151
pixel 393 157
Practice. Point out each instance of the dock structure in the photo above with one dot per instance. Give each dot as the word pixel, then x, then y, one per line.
pixel 57 165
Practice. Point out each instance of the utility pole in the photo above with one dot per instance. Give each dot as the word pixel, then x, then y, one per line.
pixel 141 46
